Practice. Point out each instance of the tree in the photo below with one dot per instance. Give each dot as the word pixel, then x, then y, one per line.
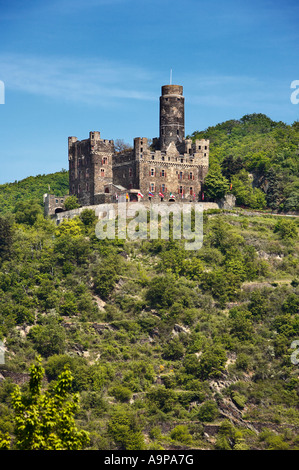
pixel 48 338
pixel 45 421
pixel 88 217
pixel 27 212
pixel 287 229
pixel 124 430
pixel 181 434
pixel 245 194
pixel 6 233
pixel 71 202
pixel 121 146
pixel 230 166
pixel 215 185
pixel 208 411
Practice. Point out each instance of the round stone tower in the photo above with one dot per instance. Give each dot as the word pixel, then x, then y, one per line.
pixel 172 115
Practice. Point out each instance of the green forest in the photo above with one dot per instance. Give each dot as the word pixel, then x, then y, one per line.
pixel 143 345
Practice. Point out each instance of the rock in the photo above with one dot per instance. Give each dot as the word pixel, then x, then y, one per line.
pixel 180 329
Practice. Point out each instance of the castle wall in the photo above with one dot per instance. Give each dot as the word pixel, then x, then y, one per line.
pixel 53 204
pixel 90 164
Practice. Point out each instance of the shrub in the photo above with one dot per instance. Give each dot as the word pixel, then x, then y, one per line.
pixel 121 393
pixel 125 432
pixel 181 434
pixel 208 411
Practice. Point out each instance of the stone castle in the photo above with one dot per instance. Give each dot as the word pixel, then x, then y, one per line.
pixel 169 168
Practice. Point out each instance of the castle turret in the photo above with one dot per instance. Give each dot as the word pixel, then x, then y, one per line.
pixel 172 115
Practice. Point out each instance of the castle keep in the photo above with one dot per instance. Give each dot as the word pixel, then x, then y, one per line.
pixel 172 167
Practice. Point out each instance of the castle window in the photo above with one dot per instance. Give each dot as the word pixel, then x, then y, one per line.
pixel 190 175
pixel 199 147
pixel 102 172
pixel 163 173
pixel 130 171
pixel 105 161
pixel 181 175
pixel 205 154
pixel 191 191
pixel 152 172
pixel 163 158
pixel 153 157
pixel 152 186
pixel 182 160
pixel 163 188
pixel 177 132
pixel 206 147
pixel 141 149
pixel 56 201
pixel 181 190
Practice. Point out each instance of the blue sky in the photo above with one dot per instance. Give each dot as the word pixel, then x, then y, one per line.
pixel 70 67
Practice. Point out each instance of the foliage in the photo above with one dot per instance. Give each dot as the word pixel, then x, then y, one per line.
pixel 45 421
pixel 181 434
pixel 27 212
pixel 215 184
pixel 266 149
pixel 71 202
pixel 124 430
pixel 33 188
pixel 154 336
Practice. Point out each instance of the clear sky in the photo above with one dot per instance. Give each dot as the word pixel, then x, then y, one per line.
pixel 74 66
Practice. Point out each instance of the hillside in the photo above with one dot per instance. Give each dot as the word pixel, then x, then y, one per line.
pixel 256 150
pixel 33 188
pixel 168 348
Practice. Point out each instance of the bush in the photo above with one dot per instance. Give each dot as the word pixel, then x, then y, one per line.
pixel 71 202
pixel 286 228
pixel 208 412
pixel 124 430
pixel 181 434
pixel 121 393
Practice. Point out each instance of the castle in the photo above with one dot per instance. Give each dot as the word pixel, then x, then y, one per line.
pixel 169 168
